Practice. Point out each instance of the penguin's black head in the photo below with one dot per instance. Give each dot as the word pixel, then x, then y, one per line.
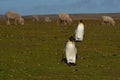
pixel 81 20
pixel 72 38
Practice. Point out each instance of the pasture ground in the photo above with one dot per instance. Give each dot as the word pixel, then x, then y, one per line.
pixel 33 52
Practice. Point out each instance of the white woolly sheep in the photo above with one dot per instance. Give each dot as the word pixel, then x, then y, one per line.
pixel 47 19
pixel 15 16
pixel 35 18
pixel 108 20
pixel 64 18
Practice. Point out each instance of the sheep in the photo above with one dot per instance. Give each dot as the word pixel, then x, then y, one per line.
pixel 47 19
pixel 35 18
pixel 15 16
pixel 108 20
pixel 64 18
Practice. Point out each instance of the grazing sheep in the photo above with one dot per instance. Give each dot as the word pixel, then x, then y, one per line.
pixel 15 16
pixel 35 18
pixel 64 18
pixel 71 51
pixel 47 19
pixel 79 32
pixel 108 20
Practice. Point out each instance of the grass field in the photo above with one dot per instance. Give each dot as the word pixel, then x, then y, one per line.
pixel 33 52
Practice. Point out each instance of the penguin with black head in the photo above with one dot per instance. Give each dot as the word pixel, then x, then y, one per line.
pixel 79 32
pixel 71 51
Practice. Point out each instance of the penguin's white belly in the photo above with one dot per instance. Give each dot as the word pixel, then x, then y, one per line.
pixel 79 33
pixel 71 54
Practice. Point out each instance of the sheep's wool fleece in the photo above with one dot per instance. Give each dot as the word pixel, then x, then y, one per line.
pixel 79 33
pixel 70 52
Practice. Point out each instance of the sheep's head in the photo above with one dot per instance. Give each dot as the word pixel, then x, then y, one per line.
pixel 21 21
pixel 69 21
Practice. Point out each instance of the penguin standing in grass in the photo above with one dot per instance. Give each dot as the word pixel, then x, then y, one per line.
pixel 79 32
pixel 71 51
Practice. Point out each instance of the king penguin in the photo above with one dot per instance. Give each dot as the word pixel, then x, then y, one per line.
pixel 71 51
pixel 79 32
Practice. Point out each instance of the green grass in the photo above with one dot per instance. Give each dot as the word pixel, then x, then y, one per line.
pixel 33 52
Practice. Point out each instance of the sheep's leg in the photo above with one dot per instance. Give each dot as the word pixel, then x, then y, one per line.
pixel 58 22
pixel 65 22
pixel 8 22
pixel 15 21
